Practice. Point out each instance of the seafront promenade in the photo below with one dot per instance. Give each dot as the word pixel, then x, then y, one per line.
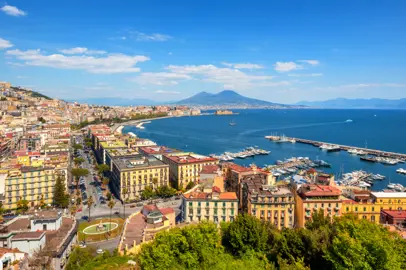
pixel 119 126
pixel 378 153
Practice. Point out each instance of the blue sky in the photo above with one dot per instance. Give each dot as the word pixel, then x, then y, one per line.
pixel 281 51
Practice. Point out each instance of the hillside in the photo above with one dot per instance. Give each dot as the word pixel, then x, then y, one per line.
pixel 115 101
pixel 343 103
pixel 227 98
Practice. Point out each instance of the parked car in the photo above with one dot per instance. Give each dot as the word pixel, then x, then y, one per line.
pixel 85 217
pixel 99 251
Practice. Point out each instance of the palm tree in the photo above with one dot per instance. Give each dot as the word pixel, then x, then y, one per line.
pixel 90 202
pixel 111 205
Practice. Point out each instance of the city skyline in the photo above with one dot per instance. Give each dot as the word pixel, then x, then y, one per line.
pixel 169 51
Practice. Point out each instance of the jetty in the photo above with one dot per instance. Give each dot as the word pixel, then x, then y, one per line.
pixel 367 151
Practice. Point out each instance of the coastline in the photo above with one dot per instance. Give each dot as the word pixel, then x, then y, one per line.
pixel 119 126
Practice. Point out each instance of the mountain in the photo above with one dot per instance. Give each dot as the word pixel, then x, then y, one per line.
pixel 227 98
pixel 115 101
pixel 344 103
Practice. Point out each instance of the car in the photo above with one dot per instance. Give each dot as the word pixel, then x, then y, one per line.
pixel 132 206
pixel 85 217
pixel 82 245
pixel 99 251
pixel 103 202
pixel 117 213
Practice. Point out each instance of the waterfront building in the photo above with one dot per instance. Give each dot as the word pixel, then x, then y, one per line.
pixel 266 201
pixel 394 217
pixel 213 206
pixel 185 167
pixel 130 175
pixel 312 198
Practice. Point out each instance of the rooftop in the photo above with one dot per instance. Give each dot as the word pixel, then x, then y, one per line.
pixel 311 190
pixel 209 169
pixel 204 196
pixel 395 213
pixel 152 150
pixel 184 158
pixel 137 161
pixel 118 152
pixel 46 215
pixel 113 144
pixel 389 194
pixel 28 235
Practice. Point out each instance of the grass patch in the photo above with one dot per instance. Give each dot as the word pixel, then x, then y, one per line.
pixel 102 236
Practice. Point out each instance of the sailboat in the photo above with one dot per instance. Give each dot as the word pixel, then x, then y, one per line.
pixel 232 123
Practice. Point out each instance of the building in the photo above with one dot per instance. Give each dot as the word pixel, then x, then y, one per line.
pixel 368 205
pixel 275 204
pixel 185 167
pixel 8 256
pixel 394 217
pixel 141 227
pixel 311 198
pixel 157 151
pixel 34 184
pixel 40 235
pixel 130 175
pixel 213 206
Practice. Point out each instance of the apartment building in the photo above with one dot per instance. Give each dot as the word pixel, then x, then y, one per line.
pixel 186 167
pixel 212 206
pixel 130 175
pixel 312 198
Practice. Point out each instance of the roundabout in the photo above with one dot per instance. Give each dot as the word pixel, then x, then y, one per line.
pixel 100 229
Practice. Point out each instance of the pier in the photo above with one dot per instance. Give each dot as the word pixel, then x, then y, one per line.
pixel 368 151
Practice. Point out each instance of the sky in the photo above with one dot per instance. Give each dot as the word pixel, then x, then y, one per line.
pixel 279 51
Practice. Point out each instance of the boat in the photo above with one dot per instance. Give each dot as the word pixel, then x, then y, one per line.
pixel 353 151
pixel 348 121
pixel 232 123
pixel 322 163
pixel 330 147
pixel 401 171
pixel 283 139
pixel 368 158
pixel 391 186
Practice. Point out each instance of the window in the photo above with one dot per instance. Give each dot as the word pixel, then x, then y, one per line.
pixel 347 209
pixel 364 217
pixel 372 218
pixel 373 209
pixel 356 209
pixel 44 227
pixel 207 204
pixel 262 213
pixel 224 204
pixel 365 209
pixel 190 204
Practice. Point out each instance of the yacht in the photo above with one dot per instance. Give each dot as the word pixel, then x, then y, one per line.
pixel 232 123
pixel 401 171
pixel 391 186
pixel 348 121
pixel 353 151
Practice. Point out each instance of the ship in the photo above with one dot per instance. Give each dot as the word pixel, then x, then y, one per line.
pixel 368 158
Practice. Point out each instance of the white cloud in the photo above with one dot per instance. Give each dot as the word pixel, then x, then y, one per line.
pixel 286 66
pixel 160 78
pixel 243 65
pixel 112 63
pixel 4 44
pixel 13 11
pixel 169 53
pixel 228 77
pixel 310 62
pixel 306 75
pixel 22 77
pixel 151 37
pixel 81 50
pixel 367 85
pixel 167 92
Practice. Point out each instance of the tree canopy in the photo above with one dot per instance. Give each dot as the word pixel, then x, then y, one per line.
pixel 61 198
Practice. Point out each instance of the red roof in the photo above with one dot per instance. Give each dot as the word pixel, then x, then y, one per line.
pixel 216 189
pixel 319 190
pixel 166 211
pixel 228 196
pixel 185 159
pixel 209 169
pixel 396 214
pixel 238 168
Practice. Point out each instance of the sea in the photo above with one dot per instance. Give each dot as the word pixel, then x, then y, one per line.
pixel 212 134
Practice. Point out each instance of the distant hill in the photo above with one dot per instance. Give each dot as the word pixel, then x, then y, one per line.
pixel 115 101
pixel 344 103
pixel 33 93
pixel 227 98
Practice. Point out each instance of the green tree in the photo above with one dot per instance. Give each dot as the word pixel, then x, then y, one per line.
pixel 22 206
pixel 79 172
pixel 147 193
pixel 42 120
pixel 77 146
pixel 1 208
pixel 89 144
pixel 102 168
pixel 90 203
pixel 78 161
pixel 111 204
pixel 78 201
pixel 61 198
pixel 105 181
pixel 108 196
pixel 190 185
pixel 246 233
pixel 165 191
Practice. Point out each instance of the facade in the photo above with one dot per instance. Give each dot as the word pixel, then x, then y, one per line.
pixel 186 167
pixel 212 206
pixel 275 204
pixel 368 205
pixel 311 198
pixel 130 175
pixel 28 242
pixel 394 217
pixel 34 184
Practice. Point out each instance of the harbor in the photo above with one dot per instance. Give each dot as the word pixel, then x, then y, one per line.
pixel 366 154
pixel 246 153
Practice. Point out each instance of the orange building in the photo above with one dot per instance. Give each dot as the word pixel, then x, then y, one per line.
pixel 312 198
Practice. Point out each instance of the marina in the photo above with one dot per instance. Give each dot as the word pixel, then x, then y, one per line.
pixel 370 155
pixel 247 152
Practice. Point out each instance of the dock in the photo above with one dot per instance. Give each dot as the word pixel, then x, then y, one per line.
pixel 368 151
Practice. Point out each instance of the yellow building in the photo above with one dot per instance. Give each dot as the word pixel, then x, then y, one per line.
pixel 186 167
pixel 130 175
pixel 275 204
pixel 369 206
pixel 212 206
pixel 34 184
